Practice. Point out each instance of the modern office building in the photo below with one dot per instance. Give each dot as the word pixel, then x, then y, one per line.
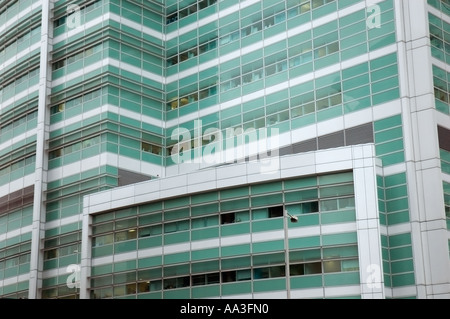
pixel 225 149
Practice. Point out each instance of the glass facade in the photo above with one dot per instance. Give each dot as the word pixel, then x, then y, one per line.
pixel 440 47
pixel 19 73
pixel 96 95
pixel 255 266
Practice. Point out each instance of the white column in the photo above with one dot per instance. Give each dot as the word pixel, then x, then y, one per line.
pixel 40 184
pixel 368 223
pixel 86 248
pixel 426 201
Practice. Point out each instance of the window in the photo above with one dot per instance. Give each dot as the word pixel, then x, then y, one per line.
pixel 305 7
pixel 227 218
pixel 308 208
pixel 60 21
pixel 173 17
pixel 306 269
pixel 150 148
pixel 236 275
pixel 268 272
pixel 125 235
pixel 176 226
pixel 103 228
pixel 325 260
pixel 327 50
pixel 179 282
pixel 150 231
pixel 76 57
pixel 172 61
pixel 55 154
pixel 204 222
pixel 277 211
pixel 143 287
pixel 440 95
pixel 74 147
pixel 69 250
pixel 175 102
pixel 337 204
pixel 102 240
pixel 332 266
pixel 319 3
pixel 206 279
pixel 51 254
pixel 57 108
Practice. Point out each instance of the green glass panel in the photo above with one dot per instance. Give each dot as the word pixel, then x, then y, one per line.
pixel 303 121
pixel 102 251
pixel 177 294
pixel 234 205
pixel 338 217
pixel 236 288
pixel 176 258
pixel 402 266
pixel 235 229
pixel 336 178
pixel 388 135
pixel 267 225
pixel 204 198
pixel 268 246
pixel 343 238
pixel 234 192
pixel 403 280
pixel 101 270
pixel 50 264
pixel 206 292
pixel 329 113
pixel 400 253
pixel 176 238
pixel 304 242
pixel 266 188
pixel 389 147
pixel 301 195
pixel 125 246
pixel 300 183
pixel 305 282
pixel 205 209
pixel 305 221
pixel 150 262
pixel 269 285
pixel 125 265
pixel 205 254
pixel 383 61
pixel 398 218
pixel 394 180
pixel 235 250
pixel 341 279
pixel 267 200
pixel 396 205
pixel 396 192
pixel 205 233
pixel 236 263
